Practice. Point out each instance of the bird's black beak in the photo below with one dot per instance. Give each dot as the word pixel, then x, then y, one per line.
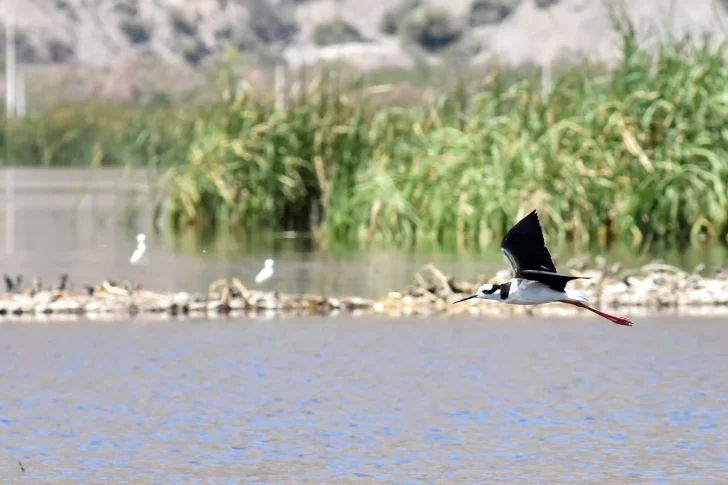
pixel 466 298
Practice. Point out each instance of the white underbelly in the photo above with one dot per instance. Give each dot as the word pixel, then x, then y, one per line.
pixel 532 293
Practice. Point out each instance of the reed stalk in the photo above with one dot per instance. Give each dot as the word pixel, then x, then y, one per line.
pixel 637 152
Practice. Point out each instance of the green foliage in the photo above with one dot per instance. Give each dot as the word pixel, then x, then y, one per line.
pixel 485 12
pixel 102 134
pixel 639 154
pixel 636 153
pixel 335 32
pixel 239 34
pixel 194 50
pixel 432 28
pixel 181 23
pixel 271 24
pixel 136 30
pixel 127 8
pixel 395 16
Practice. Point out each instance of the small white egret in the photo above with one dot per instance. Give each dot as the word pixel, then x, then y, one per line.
pixel 266 272
pixel 140 256
pixel 140 251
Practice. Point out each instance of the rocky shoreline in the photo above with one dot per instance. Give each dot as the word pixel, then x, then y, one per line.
pixel 653 288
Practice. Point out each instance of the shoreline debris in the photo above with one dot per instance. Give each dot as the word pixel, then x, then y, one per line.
pixel 652 288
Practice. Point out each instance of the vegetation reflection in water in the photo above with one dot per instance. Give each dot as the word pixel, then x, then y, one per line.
pixel 232 245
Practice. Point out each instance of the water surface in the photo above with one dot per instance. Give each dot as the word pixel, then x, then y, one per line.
pixel 84 222
pixel 92 245
pixel 370 401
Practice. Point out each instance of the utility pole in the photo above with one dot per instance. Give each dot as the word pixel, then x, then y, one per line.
pixel 10 68
pixel 20 100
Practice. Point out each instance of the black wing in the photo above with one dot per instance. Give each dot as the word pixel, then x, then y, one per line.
pixel 555 281
pixel 525 247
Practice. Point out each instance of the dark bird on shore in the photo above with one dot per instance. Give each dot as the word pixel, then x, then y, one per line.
pixel 12 286
pixel 9 285
pixel 535 279
pixel 64 282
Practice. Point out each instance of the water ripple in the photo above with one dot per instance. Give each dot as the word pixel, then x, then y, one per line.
pixel 312 401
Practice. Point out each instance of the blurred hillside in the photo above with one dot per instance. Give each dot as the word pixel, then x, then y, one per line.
pixel 369 32
pixel 114 37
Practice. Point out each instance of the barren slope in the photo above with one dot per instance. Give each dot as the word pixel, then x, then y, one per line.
pixel 108 32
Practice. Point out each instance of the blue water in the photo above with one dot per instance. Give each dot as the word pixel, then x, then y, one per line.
pixel 407 401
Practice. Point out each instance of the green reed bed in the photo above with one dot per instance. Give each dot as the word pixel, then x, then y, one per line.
pixel 97 134
pixel 638 153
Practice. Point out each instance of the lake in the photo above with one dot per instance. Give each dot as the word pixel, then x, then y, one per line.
pixel 369 401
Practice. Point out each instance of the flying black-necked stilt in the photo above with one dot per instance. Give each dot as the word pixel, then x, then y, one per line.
pixel 266 272
pixel 535 279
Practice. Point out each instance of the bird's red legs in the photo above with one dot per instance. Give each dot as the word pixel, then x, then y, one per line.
pixel 611 318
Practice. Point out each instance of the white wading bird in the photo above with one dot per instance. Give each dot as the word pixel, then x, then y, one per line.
pixel 266 272
pixel 140 251
pixel 535 279
pixel 140 257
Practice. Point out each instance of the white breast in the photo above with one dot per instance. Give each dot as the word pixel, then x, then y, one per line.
pixel 532 293
pixel 138 257
pixel 264 274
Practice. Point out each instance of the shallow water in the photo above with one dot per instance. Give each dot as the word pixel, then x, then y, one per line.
pixel 84 222
pixel 91 246
pixel 366 401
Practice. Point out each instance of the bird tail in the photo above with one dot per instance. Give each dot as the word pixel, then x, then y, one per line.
pixel 577 295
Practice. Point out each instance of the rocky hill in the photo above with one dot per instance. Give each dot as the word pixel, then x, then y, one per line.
pixel 114 37
pixel 366 32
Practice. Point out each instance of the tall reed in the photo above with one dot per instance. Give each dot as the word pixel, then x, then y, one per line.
pixel 635 152
pixel 638 153
pixel 97 134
